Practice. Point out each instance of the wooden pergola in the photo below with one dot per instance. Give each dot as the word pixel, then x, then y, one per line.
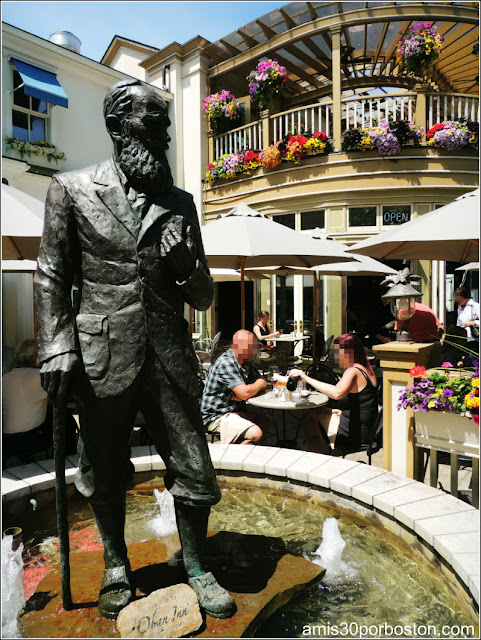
pixel 328 47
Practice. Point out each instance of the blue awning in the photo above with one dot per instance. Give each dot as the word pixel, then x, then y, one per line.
pixel 41 84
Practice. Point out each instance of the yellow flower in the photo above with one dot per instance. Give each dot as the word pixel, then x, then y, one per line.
pixel 475 383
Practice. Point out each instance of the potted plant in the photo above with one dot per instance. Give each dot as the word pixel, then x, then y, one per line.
pixel 266 83
pixel 446 406
pixel 419 47
pixel 223 110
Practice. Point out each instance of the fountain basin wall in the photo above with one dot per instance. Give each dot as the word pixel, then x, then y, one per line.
pixel 443 528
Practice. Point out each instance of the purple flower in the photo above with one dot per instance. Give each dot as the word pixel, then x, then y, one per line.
pixel 447 393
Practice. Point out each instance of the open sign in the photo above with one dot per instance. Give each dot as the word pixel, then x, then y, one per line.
pixel 399 215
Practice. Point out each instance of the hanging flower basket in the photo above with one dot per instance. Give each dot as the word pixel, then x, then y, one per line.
pixel 419 47
pixel 266 84
pixel 224 111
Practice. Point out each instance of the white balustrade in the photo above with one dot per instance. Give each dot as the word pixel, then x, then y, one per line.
pixel 240 139
pixel 452 106
pixel 357 111
pixel 314 117
pixel 367 111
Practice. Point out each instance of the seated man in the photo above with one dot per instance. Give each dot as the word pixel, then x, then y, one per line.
pixel 232 380
pixel 27 421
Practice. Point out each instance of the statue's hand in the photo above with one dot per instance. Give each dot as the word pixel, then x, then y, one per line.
pixel 56 376
pixel 179 252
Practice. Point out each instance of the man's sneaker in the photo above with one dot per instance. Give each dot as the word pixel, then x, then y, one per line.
pixel 216 601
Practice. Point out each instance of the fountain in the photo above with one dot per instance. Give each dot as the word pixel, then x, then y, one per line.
pixel 301 498
pixel 329 554
pixel 13 596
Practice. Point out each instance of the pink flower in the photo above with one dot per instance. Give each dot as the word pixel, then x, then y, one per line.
pixel 447 364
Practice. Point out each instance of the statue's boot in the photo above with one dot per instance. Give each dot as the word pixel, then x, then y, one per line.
pixel 192 526
pixel 116 591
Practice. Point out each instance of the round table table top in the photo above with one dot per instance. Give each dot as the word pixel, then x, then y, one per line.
pixel 288 338
pixel 269 401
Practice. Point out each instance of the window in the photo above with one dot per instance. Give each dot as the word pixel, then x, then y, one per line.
pixel 313 219
pixel 392 215
pixel 287 219
pixel 362 216
pixel 29 115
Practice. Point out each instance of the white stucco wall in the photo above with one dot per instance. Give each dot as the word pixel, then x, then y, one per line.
pixel 127 60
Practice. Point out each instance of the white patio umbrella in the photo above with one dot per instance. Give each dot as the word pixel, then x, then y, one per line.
pixel 22 224
pixel 233 275
pixel 449 233
pixel 19 266
pixel 244 238
pixel 471 266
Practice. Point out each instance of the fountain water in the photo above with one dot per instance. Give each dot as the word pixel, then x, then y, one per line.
pixel 13 595
pixel 165 523
pixel 329 554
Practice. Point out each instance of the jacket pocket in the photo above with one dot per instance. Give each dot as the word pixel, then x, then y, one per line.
pixel 93 333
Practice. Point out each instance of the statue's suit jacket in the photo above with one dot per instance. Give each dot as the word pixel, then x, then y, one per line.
pixel 129 298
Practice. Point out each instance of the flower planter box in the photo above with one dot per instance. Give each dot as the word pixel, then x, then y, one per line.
pixel 445 431
pixel 36 160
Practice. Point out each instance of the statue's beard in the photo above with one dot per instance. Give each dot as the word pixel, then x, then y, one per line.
pixel 147 172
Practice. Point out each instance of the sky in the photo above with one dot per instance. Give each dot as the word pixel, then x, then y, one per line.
pixel 153 23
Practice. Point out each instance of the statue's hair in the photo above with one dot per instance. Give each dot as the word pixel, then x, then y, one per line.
pixel 118 100
pixel 26 352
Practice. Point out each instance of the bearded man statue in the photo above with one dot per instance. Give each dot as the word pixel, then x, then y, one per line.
pixel 130 241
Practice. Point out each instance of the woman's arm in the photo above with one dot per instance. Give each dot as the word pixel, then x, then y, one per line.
pixel 259 335
pixel 334 391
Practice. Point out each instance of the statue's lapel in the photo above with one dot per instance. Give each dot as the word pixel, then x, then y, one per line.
pixel 161 206
pixel 110 191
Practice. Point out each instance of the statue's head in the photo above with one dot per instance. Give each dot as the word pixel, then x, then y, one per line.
pixel 137 120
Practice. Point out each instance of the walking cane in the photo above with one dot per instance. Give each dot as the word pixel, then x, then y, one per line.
pixel 59 427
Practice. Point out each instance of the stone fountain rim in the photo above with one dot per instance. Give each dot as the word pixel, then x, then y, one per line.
pixel 448 527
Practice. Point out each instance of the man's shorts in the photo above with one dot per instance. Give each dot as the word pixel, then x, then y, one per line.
pixel 232 426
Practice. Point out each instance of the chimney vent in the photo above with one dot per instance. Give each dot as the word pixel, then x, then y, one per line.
pixel 67 40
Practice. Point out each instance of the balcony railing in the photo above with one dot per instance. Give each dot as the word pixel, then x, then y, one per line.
pixel 454 106
pixel 365 111
pixel 315 117
pixel 356 111
pixel 247 137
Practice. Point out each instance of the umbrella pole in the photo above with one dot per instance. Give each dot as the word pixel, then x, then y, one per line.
pixel 243 294
pixel 314 318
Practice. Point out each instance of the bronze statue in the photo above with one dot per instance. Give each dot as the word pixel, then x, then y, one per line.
pixel 130 241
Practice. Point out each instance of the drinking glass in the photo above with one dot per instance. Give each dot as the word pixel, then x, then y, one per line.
pixel 272 370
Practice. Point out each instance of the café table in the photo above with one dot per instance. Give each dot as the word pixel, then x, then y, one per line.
pixel 289 338
pixel 273 403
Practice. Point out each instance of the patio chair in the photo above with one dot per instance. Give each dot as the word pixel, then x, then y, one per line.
pixel 208 352
pixel 374 439
pixel 323 373
pixel 326 350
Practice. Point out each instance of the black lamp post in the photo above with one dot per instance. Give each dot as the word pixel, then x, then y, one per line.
pixel 402 298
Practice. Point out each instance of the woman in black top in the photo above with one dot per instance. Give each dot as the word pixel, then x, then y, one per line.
pixel 262 331
pixel 353 405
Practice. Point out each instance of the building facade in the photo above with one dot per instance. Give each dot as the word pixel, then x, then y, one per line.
pixel 342 73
